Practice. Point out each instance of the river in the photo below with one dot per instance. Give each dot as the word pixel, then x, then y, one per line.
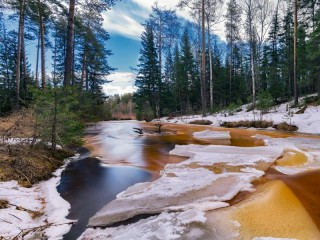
pixel 119 158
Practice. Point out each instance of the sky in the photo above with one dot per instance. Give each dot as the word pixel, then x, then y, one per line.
pixel 124 24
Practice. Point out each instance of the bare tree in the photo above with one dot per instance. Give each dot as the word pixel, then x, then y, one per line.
pixel 213 14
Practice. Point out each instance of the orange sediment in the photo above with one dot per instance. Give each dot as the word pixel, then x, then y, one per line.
pixel 274 210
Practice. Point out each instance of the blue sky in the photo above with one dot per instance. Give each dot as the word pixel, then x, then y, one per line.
pixel 123 23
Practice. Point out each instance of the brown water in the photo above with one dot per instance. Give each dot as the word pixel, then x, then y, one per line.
pixel 120 158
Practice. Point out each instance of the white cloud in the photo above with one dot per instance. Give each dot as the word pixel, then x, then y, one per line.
pixel 119 21
pixel 122 82
pixel 124 19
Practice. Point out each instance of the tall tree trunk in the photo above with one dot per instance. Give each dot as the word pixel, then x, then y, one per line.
pixel 211 66
pixel 87 78
pixel 37 61
pixel 83 65
pixel 253 81
pixel 24 59
pixel 73 79
pixel 203 64
pixel 160 69
pixel 251 37
pixel 69 51
pixel 230 71
pixel 20 32
pixel 54 121
pixel 55 58
pixel 43 66
pixel 295 84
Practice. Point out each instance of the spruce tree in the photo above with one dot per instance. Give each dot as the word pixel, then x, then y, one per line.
pixel 148 77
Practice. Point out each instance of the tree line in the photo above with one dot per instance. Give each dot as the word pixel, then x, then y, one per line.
pixel 271 48
pixel 71 38
pixel 70 33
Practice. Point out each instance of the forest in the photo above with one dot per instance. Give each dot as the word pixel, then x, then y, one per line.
pixel 271 51
pixel 69 37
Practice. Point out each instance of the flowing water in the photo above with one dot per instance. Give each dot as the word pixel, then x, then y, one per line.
pixel 119 158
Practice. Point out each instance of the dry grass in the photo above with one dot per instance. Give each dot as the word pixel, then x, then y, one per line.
pixel 247 124
pixel 201 122
pixel 28 165
pixel 285 127
pixel 19 124
pixel 302 110
pixel 4 203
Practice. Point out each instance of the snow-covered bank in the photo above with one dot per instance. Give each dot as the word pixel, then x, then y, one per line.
pixel 307 122
pixel 36 212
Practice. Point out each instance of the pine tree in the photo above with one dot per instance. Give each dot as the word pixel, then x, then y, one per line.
pixel 148 76
pixel 314 55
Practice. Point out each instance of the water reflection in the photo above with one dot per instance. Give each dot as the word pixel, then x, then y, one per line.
pixel 88 186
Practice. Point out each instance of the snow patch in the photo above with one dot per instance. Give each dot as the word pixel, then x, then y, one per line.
pixel 216 135
pixel 43 198
pixel 165 226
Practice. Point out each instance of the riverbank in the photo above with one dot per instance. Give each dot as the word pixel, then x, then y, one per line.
pixel 30 205
pixel 306 117
pixel 34 212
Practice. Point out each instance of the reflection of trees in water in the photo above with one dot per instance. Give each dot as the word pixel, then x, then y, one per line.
pixel 88 186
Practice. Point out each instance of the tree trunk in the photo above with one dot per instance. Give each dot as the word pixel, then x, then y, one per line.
pixel 83 65
pixel 20 32
pixel 43 66
pixel 211 66
pixel 37 61
pixel 55 58
pixel 230 71
pixel 73 80
pixel 203 64
pixel 69 51
pixel 54 122
pixel 295 84
pixel 319 87
pixel 87 79
pixel 24 59
pixel 253 81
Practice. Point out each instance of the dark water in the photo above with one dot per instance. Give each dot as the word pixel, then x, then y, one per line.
pixel 88 186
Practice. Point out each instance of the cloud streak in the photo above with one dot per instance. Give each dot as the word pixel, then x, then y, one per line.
pixel 122 82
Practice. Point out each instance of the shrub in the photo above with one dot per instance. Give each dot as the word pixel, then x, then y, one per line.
pixel 285 127
pixel 264 102
pixel 247 124
pixel 201 122
pixel 61 114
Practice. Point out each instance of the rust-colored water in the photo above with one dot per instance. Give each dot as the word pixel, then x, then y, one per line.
pixel 306 186
pixel 152 154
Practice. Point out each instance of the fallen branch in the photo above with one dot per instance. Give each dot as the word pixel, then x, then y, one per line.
pixel 26 231
pixel 138 130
